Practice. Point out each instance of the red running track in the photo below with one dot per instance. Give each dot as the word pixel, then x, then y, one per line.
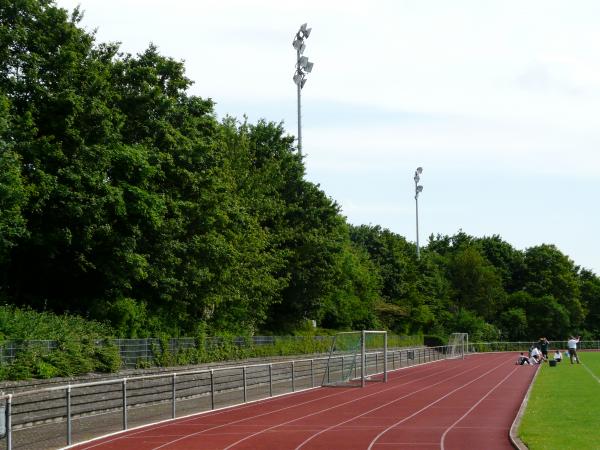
pixel 448 405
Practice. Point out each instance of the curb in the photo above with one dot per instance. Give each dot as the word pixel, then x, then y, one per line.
pixel 514 438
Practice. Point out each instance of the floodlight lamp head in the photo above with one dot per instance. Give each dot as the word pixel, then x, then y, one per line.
pixel 303 62
pixel 417 178
pixel 309 67
pixel 298 78
pixel 304 30
pixel 297 44
pixel 420 169
pixel 419 189
pixel 302 83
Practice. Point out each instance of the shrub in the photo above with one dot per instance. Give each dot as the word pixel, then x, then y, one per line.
pixel 434 341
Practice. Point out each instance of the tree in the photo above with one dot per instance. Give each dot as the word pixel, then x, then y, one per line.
pixel 476 283
pixel 12 191
pixel 548 272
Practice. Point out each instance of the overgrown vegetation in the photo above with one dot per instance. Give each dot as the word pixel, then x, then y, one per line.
pixel 55 346
pixel 124 200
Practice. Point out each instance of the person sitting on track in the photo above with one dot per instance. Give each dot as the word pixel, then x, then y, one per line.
pixel 536 355
pixel 522 360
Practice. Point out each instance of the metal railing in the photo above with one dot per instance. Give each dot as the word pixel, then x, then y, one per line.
pixel 135 352
pixel 522 346
pixel 76 412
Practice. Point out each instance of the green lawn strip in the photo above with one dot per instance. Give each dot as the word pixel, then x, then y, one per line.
pixel 563 411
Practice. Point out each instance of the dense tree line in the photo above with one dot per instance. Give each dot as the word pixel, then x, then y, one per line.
pixel 123 199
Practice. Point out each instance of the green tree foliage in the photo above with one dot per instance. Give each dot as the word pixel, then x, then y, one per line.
pixel 476 283
pixel 124 199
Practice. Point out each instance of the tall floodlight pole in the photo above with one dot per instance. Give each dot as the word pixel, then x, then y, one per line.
pixel 418 190
pixel 303 67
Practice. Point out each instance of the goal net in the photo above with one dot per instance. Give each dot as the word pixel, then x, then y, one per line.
pixel 458 344
pixel 355 358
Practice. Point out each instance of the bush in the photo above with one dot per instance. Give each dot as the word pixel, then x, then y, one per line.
pixel 434 341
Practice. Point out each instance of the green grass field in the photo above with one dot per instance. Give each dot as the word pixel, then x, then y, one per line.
pixel 563 411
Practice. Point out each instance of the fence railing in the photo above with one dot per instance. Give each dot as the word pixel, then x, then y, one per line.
pixel 526 345
pixel 76 412
pixel 143 352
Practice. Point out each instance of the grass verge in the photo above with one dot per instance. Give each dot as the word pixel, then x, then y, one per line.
pixel 563 411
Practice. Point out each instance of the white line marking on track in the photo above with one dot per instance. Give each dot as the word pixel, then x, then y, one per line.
pixel 196 416
pixel 328 409
pixel 442 440
pixel 381 406
pixel 271 412
pixel 427 407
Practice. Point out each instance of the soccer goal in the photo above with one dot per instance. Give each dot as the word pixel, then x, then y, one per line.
pixel 355 358
pixel 458 345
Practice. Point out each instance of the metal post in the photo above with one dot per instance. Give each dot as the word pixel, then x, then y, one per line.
pixel 125 403
pixel 9 422
pixel 299 116
pixel 174 381
pixel 270 380
pixel 312 374
pixel 212 389
pixel 363 358
pixel 417 216
pixel 68 415
pixel 244 381
pixel 385 371
pixel 293 377
pixel 418 189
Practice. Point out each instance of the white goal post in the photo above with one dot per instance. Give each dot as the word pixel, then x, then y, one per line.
pixel 458 345
pixel 357 357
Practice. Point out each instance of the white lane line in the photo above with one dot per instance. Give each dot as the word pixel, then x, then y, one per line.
pixel 374 441
pixel 474 406
pixel 293 406
pixel 382 406
pixel 339 405
pixel 591 373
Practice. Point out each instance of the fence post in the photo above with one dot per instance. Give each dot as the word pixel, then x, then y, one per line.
pixel 212 389
pixel 9 422
pixel 124 403
pixel 174 395
pixel 270 380
pixel 385 358
pixel 68 414
pixel 312 374
pixel 244 380
pixel 293 377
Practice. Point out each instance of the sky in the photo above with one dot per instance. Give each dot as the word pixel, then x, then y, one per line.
pixel 497 100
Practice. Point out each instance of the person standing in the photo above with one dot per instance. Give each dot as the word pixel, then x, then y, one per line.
pixel 572 344
pixel 544 347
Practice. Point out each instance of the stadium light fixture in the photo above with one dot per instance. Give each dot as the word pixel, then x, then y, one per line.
pixel 418 190
pixel 303 67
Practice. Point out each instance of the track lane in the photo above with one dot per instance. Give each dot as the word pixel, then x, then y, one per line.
pixel 320 418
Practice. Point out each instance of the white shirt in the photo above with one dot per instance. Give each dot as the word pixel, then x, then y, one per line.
pixel 573 343
pixel 557 355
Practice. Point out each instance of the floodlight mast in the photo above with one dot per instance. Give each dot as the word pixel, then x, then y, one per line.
pixel 418 190
pixel 303 67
